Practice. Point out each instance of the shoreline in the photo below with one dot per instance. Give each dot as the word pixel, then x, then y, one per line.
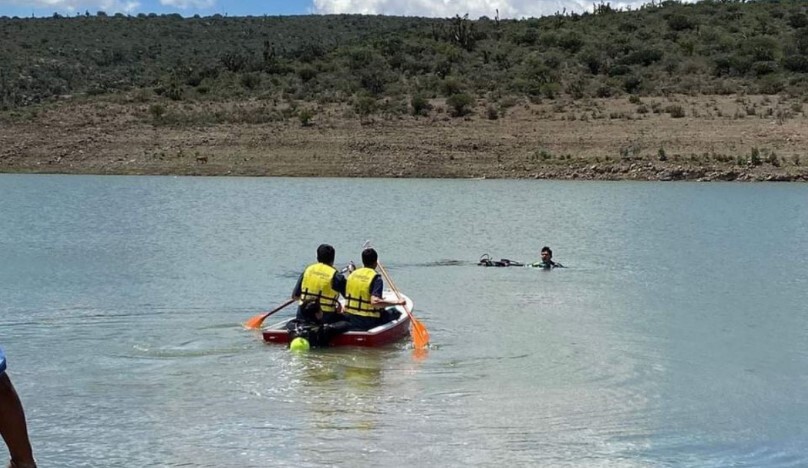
pixel 719 138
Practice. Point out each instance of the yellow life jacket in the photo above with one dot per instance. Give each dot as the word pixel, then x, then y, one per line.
pixel 316 286
pixel 357 293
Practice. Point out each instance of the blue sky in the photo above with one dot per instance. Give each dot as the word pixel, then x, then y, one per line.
pixel 433 8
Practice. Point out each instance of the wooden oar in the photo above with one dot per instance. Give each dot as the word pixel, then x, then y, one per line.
pixel 420 335
pixel 255 322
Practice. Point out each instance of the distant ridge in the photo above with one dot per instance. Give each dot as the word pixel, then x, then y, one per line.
pixel 711 47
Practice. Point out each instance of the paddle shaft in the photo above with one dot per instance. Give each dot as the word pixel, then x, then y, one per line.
pixel 421 335
pixel 256 322
pixel 393 287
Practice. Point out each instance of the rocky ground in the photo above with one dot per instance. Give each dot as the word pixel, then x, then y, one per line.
pixel 746 138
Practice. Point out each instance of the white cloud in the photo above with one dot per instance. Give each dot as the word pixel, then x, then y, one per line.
pixel 185 4
pixel 475 8
pixel 108 6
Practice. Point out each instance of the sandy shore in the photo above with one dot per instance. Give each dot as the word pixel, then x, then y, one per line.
pixel 748 138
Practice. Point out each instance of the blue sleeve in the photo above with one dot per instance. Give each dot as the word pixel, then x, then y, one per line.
pixel 377 286
pixel 296 292
pixel 338 282
pixel 2 361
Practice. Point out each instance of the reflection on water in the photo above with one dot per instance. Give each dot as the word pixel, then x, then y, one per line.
pixel 676 337
pixel 353 376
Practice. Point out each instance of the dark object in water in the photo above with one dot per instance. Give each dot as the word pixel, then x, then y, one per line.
pixel 486 260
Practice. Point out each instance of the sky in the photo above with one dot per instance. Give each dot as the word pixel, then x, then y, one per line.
pixel 431 8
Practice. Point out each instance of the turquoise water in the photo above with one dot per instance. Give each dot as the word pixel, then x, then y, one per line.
pixel 675 337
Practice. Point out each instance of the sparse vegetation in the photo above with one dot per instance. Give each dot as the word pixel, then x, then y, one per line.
pixel 676 111
pixel 668 91
pixel 460 104
pixel 720 45
pixel 754 157
pixel 305 116
pixel 420 105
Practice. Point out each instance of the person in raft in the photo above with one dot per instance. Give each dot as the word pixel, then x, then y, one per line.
pixel 322 283
pixel 546 262
pixel 310 326
pixel 364 305
pixel 12 422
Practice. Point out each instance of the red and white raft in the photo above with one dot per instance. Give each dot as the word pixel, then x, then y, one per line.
pixel 382 335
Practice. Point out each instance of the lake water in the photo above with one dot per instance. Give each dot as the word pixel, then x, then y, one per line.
pixel 677 336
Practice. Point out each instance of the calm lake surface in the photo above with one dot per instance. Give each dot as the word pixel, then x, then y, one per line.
pixel 677 336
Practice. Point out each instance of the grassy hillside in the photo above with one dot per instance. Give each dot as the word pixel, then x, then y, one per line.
pixel 395 65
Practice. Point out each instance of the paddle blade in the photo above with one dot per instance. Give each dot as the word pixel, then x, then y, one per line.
pixel 420 335
pixel 254 323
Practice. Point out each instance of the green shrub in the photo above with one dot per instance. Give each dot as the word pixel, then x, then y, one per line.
pixel 576 88
pixel 619 70
pixel 305 116
pixel 250 80
pixel 796 63
pixel 676 111
pixel 373 80
pixel 420 105
pixel 631 84
pixel 680 22
pixel 450 86
pixel 604 91
pixel 592 59
pixel 550 90
pixel 770 84
pixel 754 157
pixel 460 104
pixel 761 48
pixel 307 73
pixel 764 68
pixel 798 20
pixel 643 57
pixel 157 111
pixel 364 106
pixel 570 41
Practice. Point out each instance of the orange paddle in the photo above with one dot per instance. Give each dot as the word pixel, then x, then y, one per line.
pixel 420 335
pixel 255 322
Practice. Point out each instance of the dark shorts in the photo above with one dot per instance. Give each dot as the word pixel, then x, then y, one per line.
pixel 333 317
pixel 328 317
pixel 361 323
